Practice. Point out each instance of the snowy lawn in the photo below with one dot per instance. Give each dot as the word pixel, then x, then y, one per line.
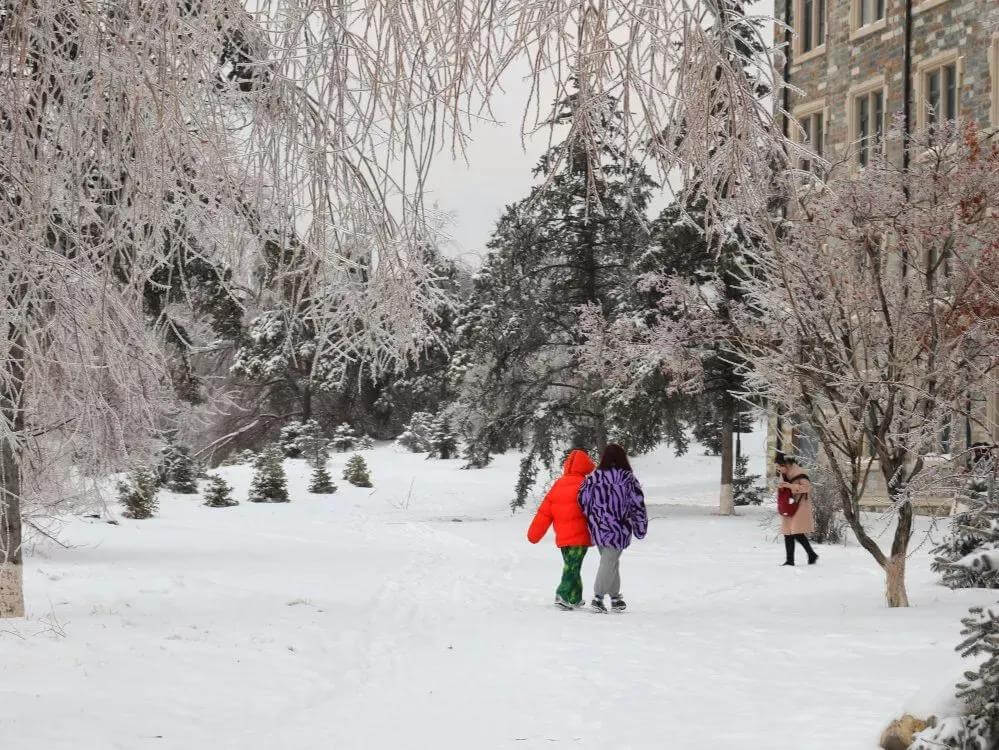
pixel 416 615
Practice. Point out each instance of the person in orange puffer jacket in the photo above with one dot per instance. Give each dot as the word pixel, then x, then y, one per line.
pixel 572 537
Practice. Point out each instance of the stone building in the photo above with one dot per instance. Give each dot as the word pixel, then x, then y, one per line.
pixel 858 64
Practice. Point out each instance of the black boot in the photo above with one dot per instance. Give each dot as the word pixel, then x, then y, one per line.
pixel 812 556
pixel 789 549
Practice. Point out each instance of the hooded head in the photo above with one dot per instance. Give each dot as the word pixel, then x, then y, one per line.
pixel 577 462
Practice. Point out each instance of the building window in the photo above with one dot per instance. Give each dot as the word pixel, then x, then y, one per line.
pixel 869 124
pixel 867 12
pixel 813 135
pixel 811 24
pixel 939 90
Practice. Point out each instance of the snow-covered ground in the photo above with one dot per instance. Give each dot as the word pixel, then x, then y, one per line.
pixel 416 615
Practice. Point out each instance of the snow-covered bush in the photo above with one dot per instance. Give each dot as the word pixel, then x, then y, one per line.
pixel 978 727
pixel 269 484
pixel 294 434
pixel 218 494
pixel 177 470
pixel 830 528
pixel 246 456
pixel 416 437
pixel 745 490
pixel 356 472
pixel 967 555
pixel 365 443
pixel 321 483
pixel 138 494
pixel 443 439
pixel 344 438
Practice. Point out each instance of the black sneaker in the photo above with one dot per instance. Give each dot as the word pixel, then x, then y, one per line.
pixel 617 604
pixel 598 605
pixel 563 604
pixel 813 559
pixel 788 564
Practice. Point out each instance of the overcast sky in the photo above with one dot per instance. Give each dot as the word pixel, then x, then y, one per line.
pixel 498 171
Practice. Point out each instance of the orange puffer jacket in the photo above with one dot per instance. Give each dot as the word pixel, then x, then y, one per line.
pixel 561 506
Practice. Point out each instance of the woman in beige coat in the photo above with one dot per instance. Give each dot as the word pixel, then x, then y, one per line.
pixel 796 528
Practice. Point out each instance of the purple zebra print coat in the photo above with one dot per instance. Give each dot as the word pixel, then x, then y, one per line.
pixel 614 505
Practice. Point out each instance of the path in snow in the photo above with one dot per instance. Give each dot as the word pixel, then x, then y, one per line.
pixel 369 620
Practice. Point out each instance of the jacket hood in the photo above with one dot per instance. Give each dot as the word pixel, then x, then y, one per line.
pixel 578 462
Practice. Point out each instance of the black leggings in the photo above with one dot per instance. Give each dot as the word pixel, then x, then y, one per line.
pixel 789 541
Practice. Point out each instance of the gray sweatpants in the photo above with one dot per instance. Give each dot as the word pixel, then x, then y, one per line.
pixel 609 573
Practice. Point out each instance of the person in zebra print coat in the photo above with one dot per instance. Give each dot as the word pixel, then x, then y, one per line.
pixel 614 505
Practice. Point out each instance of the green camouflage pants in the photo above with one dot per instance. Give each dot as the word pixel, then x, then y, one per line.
pixel 571 587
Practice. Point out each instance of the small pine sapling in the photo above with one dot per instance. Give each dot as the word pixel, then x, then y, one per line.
pixel 291 436
pixel 416 437
pixel 138 494
pixel 181 473
pixel 365 443
pixel 443 440
pixel 344 438
pixel 964 557
pixel 218 494
pixel 745 490
pixel 356 472
pixel 269 484
pixel 321 483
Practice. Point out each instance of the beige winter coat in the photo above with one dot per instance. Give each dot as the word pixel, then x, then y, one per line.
pixel 803 521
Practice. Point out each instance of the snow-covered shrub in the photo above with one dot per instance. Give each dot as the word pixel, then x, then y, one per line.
pixel 246 456
pixel 292 435
pixel 356 472
pixel 416 437
pixel 830 528
pixel 138 494
pixel 745 490
pixel 218 494
pixel 269 484
pixel 177 470
pixel 967 555
pixel 443 439
pixel 978 728
pixel 365 443
pixel 344 438
pixel 321 483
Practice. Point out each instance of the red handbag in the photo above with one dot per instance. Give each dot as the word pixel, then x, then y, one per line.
pixel 787 506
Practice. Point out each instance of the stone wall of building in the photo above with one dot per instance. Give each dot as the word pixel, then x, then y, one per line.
pixel 855 59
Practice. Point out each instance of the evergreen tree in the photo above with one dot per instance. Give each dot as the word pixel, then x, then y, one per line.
pixel 138 494
pixel 247 456
pixel 963 557
pixel 575 240
pixel 344 438
pixel 269 484
pixel 682 249
pixel 980 689
pixel 443 440
pixel 416 437
pixel 365 443
pixel 218 494
pixel 178 470
pixel 310 443
pixel 321 483
pixel 356 472
pixel 292 436
pixel 745 487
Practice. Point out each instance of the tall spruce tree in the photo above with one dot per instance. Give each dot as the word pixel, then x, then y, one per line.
pixel 575 240
pixel 683 248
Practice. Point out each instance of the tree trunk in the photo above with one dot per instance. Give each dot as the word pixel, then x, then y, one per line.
pixel 895 581
pixel 307 401
pixel 726 503
pixel 11 570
